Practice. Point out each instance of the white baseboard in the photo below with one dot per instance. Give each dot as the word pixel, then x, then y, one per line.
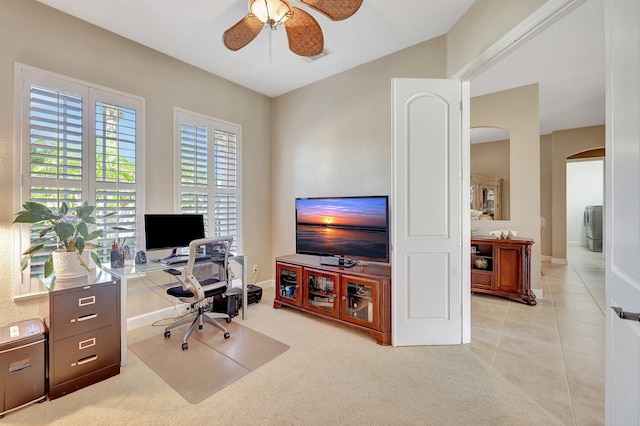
pixel 263 284
pixel 538 293
pixel 151 317
pixel 559 261
pixel 544 258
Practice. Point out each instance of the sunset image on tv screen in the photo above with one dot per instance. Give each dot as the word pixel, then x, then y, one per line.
pixel 350 226
pixel 351 212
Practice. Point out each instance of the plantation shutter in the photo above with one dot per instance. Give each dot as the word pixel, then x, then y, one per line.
pixel 77 142
pixel 115 157
pixel 208 172
pixel 55 154
pixel 226 184
pixel 194 197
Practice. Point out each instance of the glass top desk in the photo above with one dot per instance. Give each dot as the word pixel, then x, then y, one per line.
pixel 132 271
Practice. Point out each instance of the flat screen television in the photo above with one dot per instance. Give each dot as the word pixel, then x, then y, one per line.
pixel 349 227
pixel 172 231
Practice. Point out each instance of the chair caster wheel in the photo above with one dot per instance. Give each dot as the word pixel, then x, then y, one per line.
pixel 167 334
pixel 185 346
pixel 199 327
pixel 228 320
pixel 227 335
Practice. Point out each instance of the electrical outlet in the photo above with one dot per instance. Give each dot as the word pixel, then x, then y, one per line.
pixel 255 269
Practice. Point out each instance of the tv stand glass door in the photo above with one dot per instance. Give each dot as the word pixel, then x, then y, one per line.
pixel 322 292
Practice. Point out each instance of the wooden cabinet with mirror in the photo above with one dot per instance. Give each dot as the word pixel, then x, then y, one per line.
pixel 486 195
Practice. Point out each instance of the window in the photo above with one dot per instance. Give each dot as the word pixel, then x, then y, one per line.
pixel 77 142
pixel 208 172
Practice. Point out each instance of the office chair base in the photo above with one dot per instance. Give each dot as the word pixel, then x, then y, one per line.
pixel 200 318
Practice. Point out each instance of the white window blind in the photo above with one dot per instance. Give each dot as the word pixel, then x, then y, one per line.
pixel 59 118
pixel 208 170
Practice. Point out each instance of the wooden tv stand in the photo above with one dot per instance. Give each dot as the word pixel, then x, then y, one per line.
pixel 359 296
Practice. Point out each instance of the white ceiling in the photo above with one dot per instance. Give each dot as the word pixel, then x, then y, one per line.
pixel 567 59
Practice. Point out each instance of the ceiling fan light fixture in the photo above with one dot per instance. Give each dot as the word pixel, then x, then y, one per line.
pixel 303 31
pixel 271 12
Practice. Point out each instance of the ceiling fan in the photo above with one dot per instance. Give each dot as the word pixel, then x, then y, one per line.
pixel 303 31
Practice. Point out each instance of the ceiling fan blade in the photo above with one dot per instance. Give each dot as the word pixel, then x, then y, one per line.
pixel 241 34
pixel 304 34
pixel 335 10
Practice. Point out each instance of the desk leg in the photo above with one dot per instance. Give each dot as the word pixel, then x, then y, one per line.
pixel 123 321
pixel 243 262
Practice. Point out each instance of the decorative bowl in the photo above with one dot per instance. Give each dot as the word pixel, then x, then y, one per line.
pixel 481 263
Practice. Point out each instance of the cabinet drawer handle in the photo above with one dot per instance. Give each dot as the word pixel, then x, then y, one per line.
pixel 16 367
pixel 85 301
pixel 87 317
pixel 86 360
pixel 87 343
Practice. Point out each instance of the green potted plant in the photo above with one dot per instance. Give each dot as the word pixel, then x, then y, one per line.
pixel 70 235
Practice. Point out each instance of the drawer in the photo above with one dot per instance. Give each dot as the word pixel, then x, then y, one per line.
pixel 80 311
pixel 79 355
pixel 481 279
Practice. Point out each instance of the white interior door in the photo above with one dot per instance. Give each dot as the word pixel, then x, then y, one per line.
pixel 622 210
pixel 427 226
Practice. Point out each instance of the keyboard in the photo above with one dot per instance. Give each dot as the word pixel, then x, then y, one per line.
pixel 174 260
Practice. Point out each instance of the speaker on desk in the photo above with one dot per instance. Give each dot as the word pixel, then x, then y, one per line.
pixel 141 257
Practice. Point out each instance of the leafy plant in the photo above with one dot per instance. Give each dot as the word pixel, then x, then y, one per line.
pixel 68 229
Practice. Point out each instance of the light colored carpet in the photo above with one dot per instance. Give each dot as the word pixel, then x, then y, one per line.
pixel 330 375
pixel 211 363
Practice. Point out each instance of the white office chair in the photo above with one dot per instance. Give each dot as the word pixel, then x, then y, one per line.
pixel 196 293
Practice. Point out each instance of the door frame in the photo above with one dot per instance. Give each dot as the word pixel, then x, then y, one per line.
pixel 535 23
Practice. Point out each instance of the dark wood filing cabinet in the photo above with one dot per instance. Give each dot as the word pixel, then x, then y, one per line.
pixel 359 297
pixel 84 332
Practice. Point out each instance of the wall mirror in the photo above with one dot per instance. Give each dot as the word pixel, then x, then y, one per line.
pixel 490 171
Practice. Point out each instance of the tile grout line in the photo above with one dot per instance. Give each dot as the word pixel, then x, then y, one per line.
pixel 564 362
pixel 587 288
pixel 504 320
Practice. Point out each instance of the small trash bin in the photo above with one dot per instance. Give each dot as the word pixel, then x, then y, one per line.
pixel 22 364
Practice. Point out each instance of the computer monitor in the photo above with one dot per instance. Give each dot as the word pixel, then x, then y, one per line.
pixel 172 231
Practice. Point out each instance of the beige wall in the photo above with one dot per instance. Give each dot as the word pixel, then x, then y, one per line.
pixel 492 160
pixel 37 35
pixel 333 137
pixel 564 144
pixel 485 23
pixel 517 110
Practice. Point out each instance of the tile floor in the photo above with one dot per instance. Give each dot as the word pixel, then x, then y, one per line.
pixel 553 351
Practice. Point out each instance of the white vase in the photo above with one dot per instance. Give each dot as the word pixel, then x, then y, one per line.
pixel 475 225
pixel 66 265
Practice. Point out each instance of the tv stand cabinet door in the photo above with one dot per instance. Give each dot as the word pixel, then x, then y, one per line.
pixel 360 301
pixel 320 293
pixel 288 285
